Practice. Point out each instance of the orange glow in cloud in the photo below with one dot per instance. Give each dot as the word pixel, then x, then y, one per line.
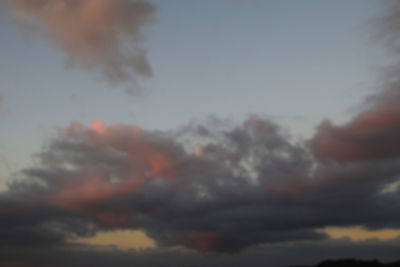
pixel 148 162
pixel 92 190
pixel 156 162
pixel 98 126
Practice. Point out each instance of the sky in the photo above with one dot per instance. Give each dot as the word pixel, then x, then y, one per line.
pixel 206 133
pixel 262 53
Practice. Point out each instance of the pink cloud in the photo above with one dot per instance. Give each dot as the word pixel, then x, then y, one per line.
pixel 97 35
pixel 143 161
pixel 370 135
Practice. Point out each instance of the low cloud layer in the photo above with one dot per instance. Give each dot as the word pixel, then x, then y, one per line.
pixel 277 255
pixel 208 188
pixel 97 35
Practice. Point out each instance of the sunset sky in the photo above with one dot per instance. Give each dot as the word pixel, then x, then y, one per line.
pixel 198 133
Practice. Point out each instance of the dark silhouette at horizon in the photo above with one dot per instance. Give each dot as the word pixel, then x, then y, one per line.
pixel 351 263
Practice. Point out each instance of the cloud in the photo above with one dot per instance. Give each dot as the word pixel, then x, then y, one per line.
pixel 124 177
pixel 97 35
pixel 212 187
pixel 371 134
pixel 275 255
pixel 249 185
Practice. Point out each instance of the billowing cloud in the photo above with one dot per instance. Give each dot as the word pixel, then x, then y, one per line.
pixel 211 189
pixel 373 134
pixel 124 177
pixel 97 35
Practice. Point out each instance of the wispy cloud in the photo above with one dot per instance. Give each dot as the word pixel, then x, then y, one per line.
pixel 97 35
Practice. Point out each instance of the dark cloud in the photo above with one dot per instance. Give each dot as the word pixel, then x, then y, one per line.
pixel 216 200
pixel 28 221
pixel 373 134
pixel 280 255
pixel 97 35
pixel 227 189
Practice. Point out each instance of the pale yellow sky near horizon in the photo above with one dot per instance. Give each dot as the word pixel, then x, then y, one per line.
pixel 122 239
pixel 137 239
pixel 358 233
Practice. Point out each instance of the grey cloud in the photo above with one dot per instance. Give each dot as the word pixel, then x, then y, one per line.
pixel 232 189
pixel 280 255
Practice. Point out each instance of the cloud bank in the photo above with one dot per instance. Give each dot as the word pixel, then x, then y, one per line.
pixel 210 189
